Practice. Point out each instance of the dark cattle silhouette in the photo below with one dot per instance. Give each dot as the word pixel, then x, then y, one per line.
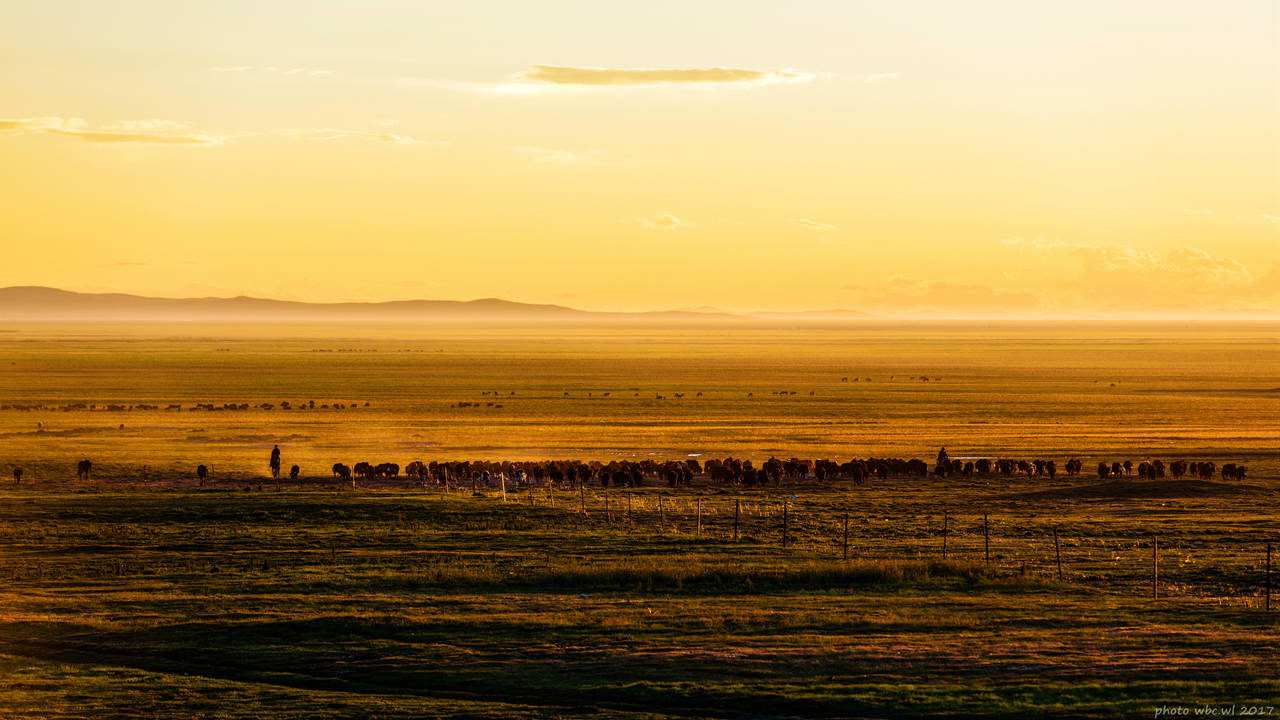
pixel 275 461
pixel 202 472
pixel 1231 471
pixel 342 471
pixel 83 469
pixel 17 475
pixel 293 472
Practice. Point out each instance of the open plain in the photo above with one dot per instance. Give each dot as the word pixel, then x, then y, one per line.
pixel 138 591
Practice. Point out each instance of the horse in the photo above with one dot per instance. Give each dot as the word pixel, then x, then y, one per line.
pixel 83 469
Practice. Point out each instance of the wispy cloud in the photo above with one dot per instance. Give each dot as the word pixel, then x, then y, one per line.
pixel 814 225
pixel 900 293
pixel 138 131
pixel 553 156
pixel 1270 218
pixel 269 69
pixel 881 77
pixel 601 76
pixel 169 132
pixel 665 221
pixel 1133 277
pixel 328 134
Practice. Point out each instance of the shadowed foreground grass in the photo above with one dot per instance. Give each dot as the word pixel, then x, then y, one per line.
pixel 399 604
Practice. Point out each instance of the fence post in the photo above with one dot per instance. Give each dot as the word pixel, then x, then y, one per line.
pixel 502 477
pixel 662 514
pixel 1155 568
pixel 1268 577
pixel 846 536
pixel 784 523
pixel 986 540
pixel 608 514
pixel 699 517
pixel 946 528
pixel 551 498
pixel 737 510
pixel 1057 552
pixel 582 501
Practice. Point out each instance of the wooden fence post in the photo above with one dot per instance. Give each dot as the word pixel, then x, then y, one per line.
pixel 1057 552
pixel 608 512
pixel 1155 568
pixel 986 540
pixel 582 500
pixel 1268 577
pixel 501 477
pixel 628 508
pixel 737 510
pixel 784 523
pixel 662 514
pixel 846 536
pixel 946 528
pixel 699 517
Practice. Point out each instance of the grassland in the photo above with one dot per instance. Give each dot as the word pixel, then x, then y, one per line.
pixel 1147 391
pixel 139 595
pixel 382 603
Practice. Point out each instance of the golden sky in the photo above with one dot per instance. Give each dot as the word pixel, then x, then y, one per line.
pixel 884 156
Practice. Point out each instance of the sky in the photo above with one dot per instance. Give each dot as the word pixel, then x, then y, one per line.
pixel 897 156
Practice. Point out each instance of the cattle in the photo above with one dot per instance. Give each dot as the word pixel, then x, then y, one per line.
pixel 83 469
pixel 1231 471
pixel 1104 470
pixel 202 473
pixel 17 475
pixel 341 471
pixel 293 472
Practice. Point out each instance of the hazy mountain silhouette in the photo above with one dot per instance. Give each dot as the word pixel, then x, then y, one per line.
pixel 45 304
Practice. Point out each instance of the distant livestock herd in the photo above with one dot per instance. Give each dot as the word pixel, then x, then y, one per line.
pixel 726 472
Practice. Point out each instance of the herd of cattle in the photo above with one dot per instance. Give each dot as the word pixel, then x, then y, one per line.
pixel 743 473
pixel 729 471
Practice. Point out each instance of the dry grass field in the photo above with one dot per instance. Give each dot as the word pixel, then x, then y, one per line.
pixel 138 594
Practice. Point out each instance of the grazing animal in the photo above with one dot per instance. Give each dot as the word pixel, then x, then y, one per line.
pixel 83 469
pixel 293 472
pixel 202 472
pixel 17 475
pixel 1103 470
pixel 275 462
pixel 342 471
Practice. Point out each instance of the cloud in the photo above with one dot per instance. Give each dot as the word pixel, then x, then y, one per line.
pixel 328 134
pixel 599 76
pixel 1270 218
pixel 901 293
pixel 169 132
pixel 665 221
pixel 881 77
pixel 814 225
pixel 1121 275
pixel 560 157
pixel 137 131
pixel 268 69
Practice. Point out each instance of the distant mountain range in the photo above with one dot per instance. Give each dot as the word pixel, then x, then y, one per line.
pixel 45 304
